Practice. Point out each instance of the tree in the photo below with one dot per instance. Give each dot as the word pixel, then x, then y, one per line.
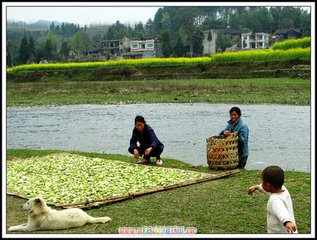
pixel 49 49
pixel 149 27
pixel 166 46
pixel 31 49
pixel 157 23
pixel 179 49
pixel 305 23
pixel 139 30
pixel 110 34
pixel 80 42
pixel 198 42
pixel 223 41
pixel 9 60
pixel 23 51
pixel 64 49
pixel 186 18
pixel 13 49
pixel 96 40
pixel 182 35
pixel 166 23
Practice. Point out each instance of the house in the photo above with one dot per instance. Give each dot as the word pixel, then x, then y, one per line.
pixel 283 34
pixel 144 48
pixel 209 47
pixel 114 47
pixel 232 33
pixel 253 40
pixel 88 52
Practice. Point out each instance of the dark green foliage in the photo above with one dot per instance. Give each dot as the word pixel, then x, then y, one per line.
pixel 64 49
pixel 9 60
pixel 48 49
pixel 31 49
pixel 166 43
pixel 223 41
pixel 24 52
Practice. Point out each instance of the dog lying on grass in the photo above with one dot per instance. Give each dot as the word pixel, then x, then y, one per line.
pixel 42 217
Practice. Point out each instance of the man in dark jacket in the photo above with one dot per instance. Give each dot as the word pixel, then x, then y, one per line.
pixel 150 145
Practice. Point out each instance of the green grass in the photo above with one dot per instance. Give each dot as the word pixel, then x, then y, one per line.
pixel 216 207
pixel 293 91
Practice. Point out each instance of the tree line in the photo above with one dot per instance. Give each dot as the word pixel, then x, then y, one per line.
pixel 179 30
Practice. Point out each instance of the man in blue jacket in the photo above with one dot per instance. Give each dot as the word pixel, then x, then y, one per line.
pixel 235 124
pixel 150 145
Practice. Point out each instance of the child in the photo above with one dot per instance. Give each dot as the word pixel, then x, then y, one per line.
pixel 150 146
pixel 280 216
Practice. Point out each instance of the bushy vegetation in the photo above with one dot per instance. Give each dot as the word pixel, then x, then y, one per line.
pixel 292 43
pixel 261 55
pixel 242 56
pixel 111 63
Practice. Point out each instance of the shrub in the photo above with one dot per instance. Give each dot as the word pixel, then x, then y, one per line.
pixel 261 55
pixel 292 43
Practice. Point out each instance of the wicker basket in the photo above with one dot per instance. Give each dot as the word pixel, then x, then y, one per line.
pixel 222 153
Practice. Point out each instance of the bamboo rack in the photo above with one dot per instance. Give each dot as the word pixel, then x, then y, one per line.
pixel 88 204
pixel 98 202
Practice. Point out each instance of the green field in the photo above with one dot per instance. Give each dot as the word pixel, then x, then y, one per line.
pixel 216 207
pixel 292 91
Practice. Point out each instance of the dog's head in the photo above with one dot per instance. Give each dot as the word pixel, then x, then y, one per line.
pixel 34 204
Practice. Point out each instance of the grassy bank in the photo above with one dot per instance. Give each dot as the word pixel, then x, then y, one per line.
pixel 293 91
pixel 216 207
pixel 151 71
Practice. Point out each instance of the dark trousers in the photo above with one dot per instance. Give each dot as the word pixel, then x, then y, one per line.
pixel 156 152
pixel 242 161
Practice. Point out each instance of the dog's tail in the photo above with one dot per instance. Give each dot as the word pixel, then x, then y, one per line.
pixel 99 219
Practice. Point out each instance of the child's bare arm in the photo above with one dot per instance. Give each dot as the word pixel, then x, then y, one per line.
pixel 253 189
pixel 290 227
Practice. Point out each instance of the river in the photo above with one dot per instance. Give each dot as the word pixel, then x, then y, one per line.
pixel 279 134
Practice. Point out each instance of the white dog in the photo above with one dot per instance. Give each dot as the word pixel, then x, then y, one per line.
pixel 42 217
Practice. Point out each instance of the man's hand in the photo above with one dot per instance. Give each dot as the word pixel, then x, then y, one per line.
pixel 136 153
pixel 148 151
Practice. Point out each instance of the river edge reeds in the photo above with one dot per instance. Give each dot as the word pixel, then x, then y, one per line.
pixel 217 207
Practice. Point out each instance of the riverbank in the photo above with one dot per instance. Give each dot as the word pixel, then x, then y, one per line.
pixel 286 90
pixel 216 207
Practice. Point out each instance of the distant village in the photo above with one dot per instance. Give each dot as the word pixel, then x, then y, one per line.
pixel 126 48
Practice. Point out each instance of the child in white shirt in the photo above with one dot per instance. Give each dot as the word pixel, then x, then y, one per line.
pixel 280 216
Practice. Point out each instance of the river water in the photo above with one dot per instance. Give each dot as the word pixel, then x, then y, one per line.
pixel 279 134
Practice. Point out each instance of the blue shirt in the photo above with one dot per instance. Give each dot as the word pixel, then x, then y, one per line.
pixel 243 133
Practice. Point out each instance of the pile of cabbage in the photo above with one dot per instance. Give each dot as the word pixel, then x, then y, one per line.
pixel 69 178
